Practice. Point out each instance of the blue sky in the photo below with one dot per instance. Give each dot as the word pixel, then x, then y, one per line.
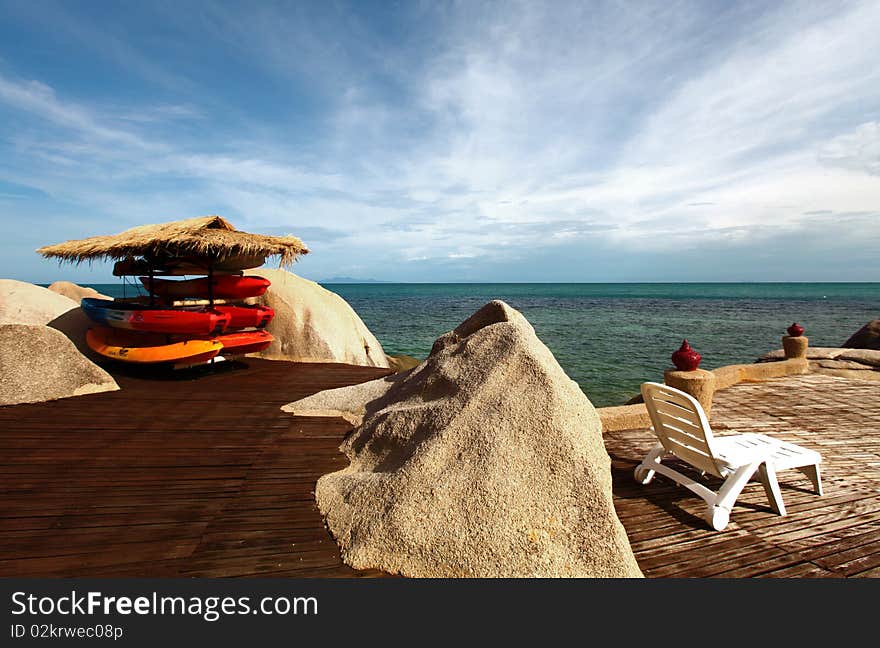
pixel 462 141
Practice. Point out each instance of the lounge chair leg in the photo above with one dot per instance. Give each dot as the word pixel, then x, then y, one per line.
pixel 812 472
pixel 718 517
pixel 644 472
pixel 771 487
pixel 727 495
pixel 680 423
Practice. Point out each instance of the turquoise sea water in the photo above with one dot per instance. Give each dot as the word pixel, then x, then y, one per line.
pixel 612 337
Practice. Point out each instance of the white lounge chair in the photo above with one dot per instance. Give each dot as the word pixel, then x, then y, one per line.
pixel 683 429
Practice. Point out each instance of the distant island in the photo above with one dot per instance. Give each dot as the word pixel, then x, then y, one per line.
pixel 351 280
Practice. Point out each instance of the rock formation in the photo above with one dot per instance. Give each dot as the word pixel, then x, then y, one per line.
pixel 26 303
pixel 861 364
pixel 867 337
pixel 75 292
pixel 312 324
pixel 485 460
pixel 40 364
pixel 401 362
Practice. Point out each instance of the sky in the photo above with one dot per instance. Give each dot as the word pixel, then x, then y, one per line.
pixel 453 141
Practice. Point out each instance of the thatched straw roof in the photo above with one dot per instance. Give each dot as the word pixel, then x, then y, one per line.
pixel 207 237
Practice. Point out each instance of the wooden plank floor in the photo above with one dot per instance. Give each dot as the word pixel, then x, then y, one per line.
pixel 207 477
pixel 189 477
pixel 837 535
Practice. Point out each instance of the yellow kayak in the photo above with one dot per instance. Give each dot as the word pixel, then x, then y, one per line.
pixel 147 348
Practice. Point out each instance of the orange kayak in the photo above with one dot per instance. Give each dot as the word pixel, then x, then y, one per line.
pixel 150 348
pixel 241 342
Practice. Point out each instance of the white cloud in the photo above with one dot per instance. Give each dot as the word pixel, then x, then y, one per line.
pixel 857 151
pixel 515 129
pixel 744 134
pixel 39 99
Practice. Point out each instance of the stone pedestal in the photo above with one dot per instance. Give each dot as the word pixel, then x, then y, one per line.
pixel 698 383
pixel 795 347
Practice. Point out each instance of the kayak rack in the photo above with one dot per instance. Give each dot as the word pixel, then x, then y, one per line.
pixel 141 267
pixel 171 267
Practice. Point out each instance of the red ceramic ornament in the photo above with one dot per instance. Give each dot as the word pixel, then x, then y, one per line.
pixel 686 359
pixel 795 330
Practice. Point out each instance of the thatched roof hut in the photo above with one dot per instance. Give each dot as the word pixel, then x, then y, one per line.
pixel 208 238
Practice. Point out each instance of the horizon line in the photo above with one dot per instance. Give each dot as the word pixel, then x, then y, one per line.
pixel 431 283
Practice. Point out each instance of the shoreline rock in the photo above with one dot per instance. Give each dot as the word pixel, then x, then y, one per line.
pixel 40 364
pixel 313 324
pixel 26 303
pixel 861 364
pixel 867 337
pixel 75 292
pixel 402 362
pixel 486 460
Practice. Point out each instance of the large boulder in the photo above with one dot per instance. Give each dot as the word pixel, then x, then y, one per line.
pixel 867 337
pixel 41 364
pixel 26 303
pixel 75 292
pixel 485 460
pixel 312 324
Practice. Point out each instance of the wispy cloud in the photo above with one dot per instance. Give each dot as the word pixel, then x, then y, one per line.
pixel 39 100
pixel 468 136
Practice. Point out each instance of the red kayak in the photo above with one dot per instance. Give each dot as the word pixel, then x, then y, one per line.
pixel 239 342
pixel 139 317
pixel 219 287
pixel 247 316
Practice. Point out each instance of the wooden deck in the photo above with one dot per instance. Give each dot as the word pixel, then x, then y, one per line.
pixel 207 477
pixel 837 535
pixel 198 477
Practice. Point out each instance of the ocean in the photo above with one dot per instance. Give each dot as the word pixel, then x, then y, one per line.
pixel 610 338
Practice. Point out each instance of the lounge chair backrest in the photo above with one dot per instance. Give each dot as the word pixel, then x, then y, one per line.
pixel 681 425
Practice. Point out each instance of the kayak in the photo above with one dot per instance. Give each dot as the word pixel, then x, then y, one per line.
pixel 241 342
pixel 187 266
pixel 142 317
pixel 244 342
pixel 149 348
pixel 247 316
pixel 222 287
